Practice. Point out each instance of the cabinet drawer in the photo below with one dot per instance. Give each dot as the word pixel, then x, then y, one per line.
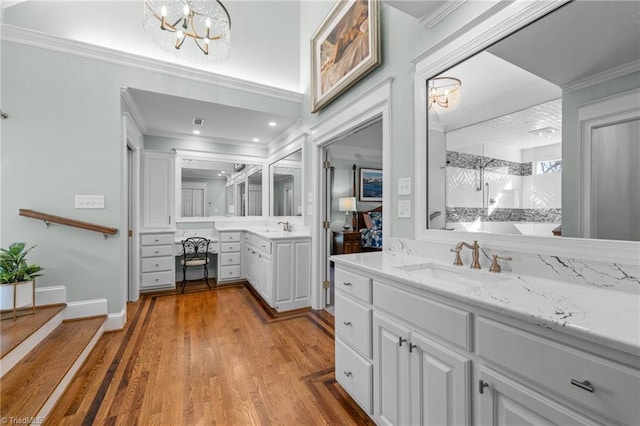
pixel 353 284
pixel 229 247
pixel 229 259
pixel 449 323
pixel 228 237
pixel 616 388
pixel 157 264
pixel 155 251
pixel 262 245
pixel 355 375
pixel 353 324
pixel 229 272
pixel 153 279
pixel 156 239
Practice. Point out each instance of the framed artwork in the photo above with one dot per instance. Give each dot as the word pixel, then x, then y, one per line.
pixel 370 185
pixel 344 48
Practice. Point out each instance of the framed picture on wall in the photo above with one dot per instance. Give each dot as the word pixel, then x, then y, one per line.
pixel 344 48
pixel 370 185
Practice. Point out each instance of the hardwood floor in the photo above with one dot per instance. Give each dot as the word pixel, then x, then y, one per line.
pixel 211 357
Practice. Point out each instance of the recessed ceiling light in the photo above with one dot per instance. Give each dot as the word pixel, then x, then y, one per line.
pixel 196 132
pixel 272 123
pixel 256 140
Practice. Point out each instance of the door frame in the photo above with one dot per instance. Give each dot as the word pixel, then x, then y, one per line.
pixel 370 106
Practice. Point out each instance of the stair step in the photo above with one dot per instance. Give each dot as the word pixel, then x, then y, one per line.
pixel 31 388
pixel 12 333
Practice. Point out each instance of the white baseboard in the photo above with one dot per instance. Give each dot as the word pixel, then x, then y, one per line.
pixel 116 321
pixel 85 308
pixel 51 295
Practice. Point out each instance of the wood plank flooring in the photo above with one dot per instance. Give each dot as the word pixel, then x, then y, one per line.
pixel 12 333
pixel 211 357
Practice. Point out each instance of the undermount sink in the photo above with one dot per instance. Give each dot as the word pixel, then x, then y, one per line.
pixel 450 273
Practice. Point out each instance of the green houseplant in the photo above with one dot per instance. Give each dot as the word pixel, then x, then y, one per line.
pixel 17 278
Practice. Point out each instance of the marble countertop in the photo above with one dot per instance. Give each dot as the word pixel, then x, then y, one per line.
pixel 608 317
pixel 269 233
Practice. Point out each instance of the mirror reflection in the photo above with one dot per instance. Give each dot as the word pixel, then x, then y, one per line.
pixel 286 185
pixel 204 188
pixel 503 123
pixel 254 193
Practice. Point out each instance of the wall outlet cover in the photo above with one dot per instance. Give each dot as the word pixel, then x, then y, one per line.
pixel 404 208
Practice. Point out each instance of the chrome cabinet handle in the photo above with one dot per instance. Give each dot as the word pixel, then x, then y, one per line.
pixel 347 284
pixel 481 385
pixel 348 373
pixel 585 384
pixel 347 323
pixel 401 341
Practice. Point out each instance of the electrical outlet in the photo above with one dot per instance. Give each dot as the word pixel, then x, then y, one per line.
pixel 404 186
pixel 404 208
pixel 89 201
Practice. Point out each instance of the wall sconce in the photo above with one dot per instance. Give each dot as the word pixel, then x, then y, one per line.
pixel 347 205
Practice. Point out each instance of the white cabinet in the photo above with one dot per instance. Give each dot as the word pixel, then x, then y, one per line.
pixel 279 270
pixel 505 402
pixel 157 261
pixel 158 190
pixel 229 259
pixel 417 381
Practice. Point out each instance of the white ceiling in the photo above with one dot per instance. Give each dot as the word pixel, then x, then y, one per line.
pixel 172 116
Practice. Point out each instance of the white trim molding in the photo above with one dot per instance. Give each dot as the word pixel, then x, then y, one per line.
pixel 443 9
pixel 40 40
pixel 616 72
pixel 85 309
pixel 372 105
pixel 52 295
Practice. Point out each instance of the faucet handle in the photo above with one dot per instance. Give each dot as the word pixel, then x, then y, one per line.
pixel 457 261
pixel 495 266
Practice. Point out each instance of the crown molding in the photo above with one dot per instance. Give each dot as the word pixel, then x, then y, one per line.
pixel 616 72
pixel 58 44
pixel 431 19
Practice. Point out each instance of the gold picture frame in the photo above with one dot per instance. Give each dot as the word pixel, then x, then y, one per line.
pixel 344 48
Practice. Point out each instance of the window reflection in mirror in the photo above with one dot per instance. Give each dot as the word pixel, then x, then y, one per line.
pixel 495 145
pixel 204 188
pixel 286 189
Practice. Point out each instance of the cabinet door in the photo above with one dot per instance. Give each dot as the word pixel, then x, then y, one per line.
pixel 157 189
pixel 263 269
pixel 391 372
pixel 440 384
pixel 505 402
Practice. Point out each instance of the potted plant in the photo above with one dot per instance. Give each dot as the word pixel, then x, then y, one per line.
pixel 17 285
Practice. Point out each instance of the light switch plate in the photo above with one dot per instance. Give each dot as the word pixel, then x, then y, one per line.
pixel 404 208
pixel 89 201
pixel 404 186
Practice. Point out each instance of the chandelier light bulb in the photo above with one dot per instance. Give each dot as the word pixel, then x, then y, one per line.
pixel 207 22
pixel 185 10
pixel 163 11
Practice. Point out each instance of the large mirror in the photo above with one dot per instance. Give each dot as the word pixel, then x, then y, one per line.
pixel 218 188
pixel 505 153
pixel 286 185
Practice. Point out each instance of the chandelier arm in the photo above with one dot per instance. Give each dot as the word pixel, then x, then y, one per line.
pixel 179 45
pixel 204 50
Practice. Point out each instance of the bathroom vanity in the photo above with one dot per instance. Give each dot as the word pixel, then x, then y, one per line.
pixel 423 342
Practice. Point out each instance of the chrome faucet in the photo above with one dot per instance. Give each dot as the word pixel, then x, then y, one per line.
pixel 286 226
pixel 475 252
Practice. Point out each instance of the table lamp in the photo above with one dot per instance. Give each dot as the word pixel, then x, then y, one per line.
pixel 347 205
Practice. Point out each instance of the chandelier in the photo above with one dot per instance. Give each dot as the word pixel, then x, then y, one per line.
pixel 444 92
pixel 196 30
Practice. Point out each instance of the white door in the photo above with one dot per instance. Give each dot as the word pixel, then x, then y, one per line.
pixel 198 202
pixel 187 198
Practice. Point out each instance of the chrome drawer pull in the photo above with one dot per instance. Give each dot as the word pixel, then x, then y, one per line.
pixel 348 373
pixel 347 284
pixel 347 323
pixel 585 384
pixel 401 341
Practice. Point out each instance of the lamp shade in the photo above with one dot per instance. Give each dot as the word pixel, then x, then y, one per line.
pixel 347 204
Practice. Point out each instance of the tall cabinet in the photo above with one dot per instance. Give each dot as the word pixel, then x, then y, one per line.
pixel 157 232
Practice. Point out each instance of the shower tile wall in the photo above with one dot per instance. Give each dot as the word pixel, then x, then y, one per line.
pixel 517 197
